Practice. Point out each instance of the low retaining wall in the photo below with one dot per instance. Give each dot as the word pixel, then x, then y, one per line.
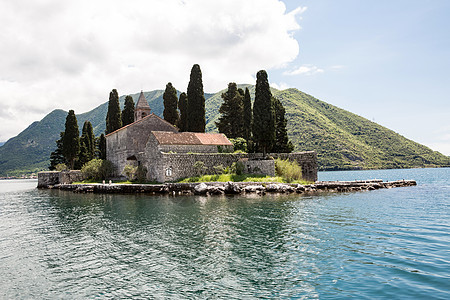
pixel 219 188
pixel 179 165
pixel 50 178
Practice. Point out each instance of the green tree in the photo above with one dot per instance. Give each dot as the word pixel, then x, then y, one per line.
pixel 57 156
pixel 97 169
pixel 196 102
pixel 114 115
pixel 87 144
pixel 231 121
pixel 248 116
pixel 128 111
pixel 71 140
pixel 282 143
pixel 182 104
pixel 170 104
pixel 263 114
pixel 102 147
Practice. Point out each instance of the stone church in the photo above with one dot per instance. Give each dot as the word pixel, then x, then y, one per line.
pixel 169 155
pixel 144 142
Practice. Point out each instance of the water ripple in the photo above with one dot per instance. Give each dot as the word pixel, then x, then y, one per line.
pixel 382 244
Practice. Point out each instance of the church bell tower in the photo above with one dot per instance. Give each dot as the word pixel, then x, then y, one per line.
pixel 142 108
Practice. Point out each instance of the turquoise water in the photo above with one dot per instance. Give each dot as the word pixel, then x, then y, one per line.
pixel 383 244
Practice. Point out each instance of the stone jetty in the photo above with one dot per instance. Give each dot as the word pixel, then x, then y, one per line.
pixel 233 188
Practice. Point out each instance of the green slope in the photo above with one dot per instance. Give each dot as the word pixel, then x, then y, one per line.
pixel 341 139
pixel 344 140
pixel 29 151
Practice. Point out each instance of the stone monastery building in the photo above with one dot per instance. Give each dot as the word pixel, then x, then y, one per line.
pixel 168 155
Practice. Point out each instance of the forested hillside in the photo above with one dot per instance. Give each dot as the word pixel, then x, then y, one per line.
pixel 344 140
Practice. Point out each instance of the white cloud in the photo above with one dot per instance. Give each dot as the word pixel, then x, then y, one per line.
pixel 280 86
pixel 304 70
pixel 70 54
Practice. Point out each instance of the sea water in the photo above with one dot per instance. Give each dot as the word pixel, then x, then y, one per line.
pixel 382 244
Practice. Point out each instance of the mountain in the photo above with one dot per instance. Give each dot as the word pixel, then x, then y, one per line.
pixel 341 139
pixel 344 140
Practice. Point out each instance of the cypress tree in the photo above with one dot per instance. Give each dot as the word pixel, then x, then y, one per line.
pixel 196 121
pixel 102 147
pixel 282 143
pixel 182 105
pixel 128 111
pixel 231 121
pixel 114 115
pixel 57 156
pixel 87 144
pixel 170 104
pixel 248 116
pixel 263 114
pixel 71 140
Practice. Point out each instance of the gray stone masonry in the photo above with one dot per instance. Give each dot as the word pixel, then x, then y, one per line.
pixel 130 141
pixel 306 160
pixel 164 167
pixel 180 165
pixel 50 178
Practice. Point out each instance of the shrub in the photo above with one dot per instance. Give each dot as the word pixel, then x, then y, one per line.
pixel 141 174
pixel 239 152
pixel 61 167
pixel 224 149
pixel 239 144
pixel 130 172
pixel 237 168
pixel 97 169
pixel 288 170
pixel 219 169
pixel 199 168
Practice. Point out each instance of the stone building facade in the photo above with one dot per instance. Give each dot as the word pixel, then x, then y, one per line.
pixel 127 144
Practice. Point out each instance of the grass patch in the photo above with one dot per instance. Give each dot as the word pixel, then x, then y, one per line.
pixel 238 178
pixel 290 171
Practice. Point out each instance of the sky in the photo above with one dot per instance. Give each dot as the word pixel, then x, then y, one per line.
pixel 387 61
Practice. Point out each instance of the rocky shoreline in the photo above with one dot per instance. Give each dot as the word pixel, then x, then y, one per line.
pixel 233 188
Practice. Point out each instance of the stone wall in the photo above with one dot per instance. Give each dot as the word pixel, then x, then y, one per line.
pixel 67 177
pixel 178 165
pixel 164 167
pixel 50 178
pixel 266 167
pixel 306 160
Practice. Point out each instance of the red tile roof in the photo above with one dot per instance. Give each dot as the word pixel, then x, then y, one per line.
pixel 191 138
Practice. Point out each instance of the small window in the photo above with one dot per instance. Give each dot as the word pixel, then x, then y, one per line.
pixel 169 172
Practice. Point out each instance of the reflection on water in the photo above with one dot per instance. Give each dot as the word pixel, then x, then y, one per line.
pixel 383 244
